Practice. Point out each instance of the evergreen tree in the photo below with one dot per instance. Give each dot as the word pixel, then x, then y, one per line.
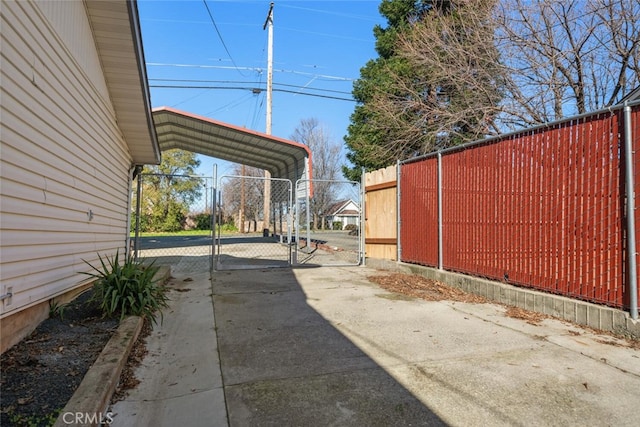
pixel 436 73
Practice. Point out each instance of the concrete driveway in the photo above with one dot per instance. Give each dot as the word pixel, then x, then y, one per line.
pixel 325 347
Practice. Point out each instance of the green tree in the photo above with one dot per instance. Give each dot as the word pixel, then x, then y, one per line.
pixel 168 190
pixel 364 139
pixel 436 73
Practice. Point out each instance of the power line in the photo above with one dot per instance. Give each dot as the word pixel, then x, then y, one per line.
pixel 329 12
pixel 256 69
pixel 253 89
pixel 213 21
pixel 249 83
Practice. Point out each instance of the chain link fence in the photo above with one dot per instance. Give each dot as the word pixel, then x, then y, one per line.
pixel 173 221
pixel 253 222
pixel 328 222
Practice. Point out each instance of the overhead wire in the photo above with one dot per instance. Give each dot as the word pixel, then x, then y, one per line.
pixel 249 83
pixel 259 99
pixel 257 69
pixel 213 21
pixel 253 89
pixel 231 105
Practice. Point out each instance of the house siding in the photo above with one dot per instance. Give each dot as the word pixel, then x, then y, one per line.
pixel 62 154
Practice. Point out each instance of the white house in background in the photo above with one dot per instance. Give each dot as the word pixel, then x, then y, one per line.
pixel 346 212
pixel 76 122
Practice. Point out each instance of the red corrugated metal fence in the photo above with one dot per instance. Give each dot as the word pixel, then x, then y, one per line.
pixel 542 208
pixel 419 207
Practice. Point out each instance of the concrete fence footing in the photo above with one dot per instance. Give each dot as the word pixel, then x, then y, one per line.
pixel 576 311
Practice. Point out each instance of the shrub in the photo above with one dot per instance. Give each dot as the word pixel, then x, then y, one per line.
pixel 337 225
pixel 202 221
pixel 350 227
pixel 127 289
pixel 227 228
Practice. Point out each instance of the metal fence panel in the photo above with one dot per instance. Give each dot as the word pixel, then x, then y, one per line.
pixel 328 222
pixel 253 223
pixel 635 135
pixel 542 208
pixel 171 229
pixel 419 212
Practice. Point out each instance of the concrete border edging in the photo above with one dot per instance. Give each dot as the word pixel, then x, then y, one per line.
pixel 93 396
pixel 576 311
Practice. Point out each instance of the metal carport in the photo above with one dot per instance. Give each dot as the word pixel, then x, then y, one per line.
pixel 287 161
pixel 202 135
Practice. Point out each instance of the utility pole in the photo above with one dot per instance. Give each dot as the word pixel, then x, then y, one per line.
pixel 269 23
pixel 267 175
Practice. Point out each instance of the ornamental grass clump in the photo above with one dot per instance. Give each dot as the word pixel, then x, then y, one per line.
pixel 128 288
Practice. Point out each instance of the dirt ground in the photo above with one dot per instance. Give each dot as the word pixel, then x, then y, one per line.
pixel 41 373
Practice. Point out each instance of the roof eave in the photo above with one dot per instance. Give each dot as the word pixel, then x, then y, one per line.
pixel 116 30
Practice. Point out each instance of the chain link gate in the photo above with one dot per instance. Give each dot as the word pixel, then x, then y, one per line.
pixel 173 222
pixel 328 223
pixel 253 223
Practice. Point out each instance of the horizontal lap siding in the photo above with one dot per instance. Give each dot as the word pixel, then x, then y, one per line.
pixel 62 153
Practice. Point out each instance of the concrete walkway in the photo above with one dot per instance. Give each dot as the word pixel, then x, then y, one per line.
pixel 325 347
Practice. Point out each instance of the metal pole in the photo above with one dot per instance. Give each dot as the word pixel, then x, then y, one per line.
pixel 398 223
pixel 267 184
pixel 295 222
pixel 631 229
pixel 136 242
pixel 440 257
pixel 307 203
pixel 292 260
pixel 214 214
pixel 127 244
pixel 269 24
pixel 361 226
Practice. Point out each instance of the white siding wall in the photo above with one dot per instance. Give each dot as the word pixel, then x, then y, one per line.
pixel 62 154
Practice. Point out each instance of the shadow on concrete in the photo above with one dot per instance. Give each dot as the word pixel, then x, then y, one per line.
pixel 284 364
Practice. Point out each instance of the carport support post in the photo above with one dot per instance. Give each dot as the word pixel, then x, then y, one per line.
pixel 266 223
pixel 214 213
pixel 631 229
pixel 308 212
pixel 136 241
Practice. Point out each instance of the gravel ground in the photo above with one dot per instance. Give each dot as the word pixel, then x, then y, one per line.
pixel 41 373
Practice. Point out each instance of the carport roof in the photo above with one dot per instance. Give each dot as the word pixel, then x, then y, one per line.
pixel 202 135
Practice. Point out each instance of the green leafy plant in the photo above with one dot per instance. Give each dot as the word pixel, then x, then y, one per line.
pixel 56 309
pixel 128 288
pixel 48 419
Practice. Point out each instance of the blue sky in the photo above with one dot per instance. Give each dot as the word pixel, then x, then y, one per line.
pixel 319 48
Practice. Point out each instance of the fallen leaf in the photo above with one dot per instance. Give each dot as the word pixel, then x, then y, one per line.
pixel 24 400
